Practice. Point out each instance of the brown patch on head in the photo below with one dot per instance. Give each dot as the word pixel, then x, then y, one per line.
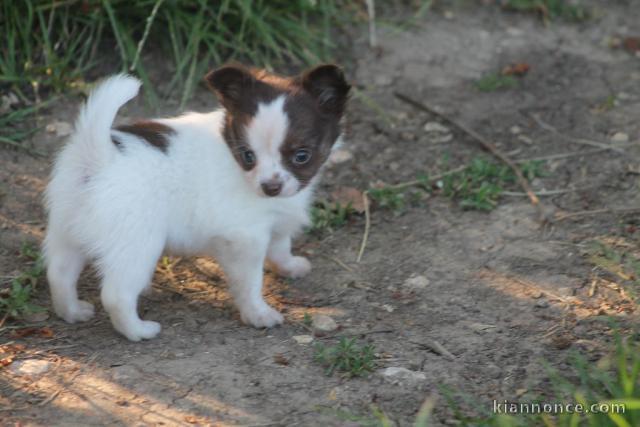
pixel 315 102
pixel 314 114
pixel 154 133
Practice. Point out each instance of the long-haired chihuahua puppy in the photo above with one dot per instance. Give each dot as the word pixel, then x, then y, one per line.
pixel 235 184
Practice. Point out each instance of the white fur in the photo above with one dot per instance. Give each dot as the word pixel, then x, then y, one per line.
pixel 124 208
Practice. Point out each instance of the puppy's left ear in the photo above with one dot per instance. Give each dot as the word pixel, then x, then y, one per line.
pixel 326 83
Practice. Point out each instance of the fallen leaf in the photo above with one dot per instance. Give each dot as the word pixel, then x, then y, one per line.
pixel 519 69
pixel 631 44
pixel 349 196
pixel 191 419
pixel 45 332
pixel 280 359
pixel 6 361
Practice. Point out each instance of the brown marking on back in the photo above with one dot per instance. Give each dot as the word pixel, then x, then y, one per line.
pixel 154 133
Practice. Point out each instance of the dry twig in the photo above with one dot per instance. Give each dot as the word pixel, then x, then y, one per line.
pixel 583 141
pixel 487 145
pixel 597 212
pixel 367 225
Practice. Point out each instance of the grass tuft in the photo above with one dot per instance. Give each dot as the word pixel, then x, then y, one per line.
pixel 346 357
pixel 551 9
pixel 494 82
pixel 15 296
pixel 326 217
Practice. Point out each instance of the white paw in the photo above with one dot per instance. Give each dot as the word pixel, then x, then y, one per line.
pixel 140 330
pixel 261 317
pixel 295 267
pixel 77 311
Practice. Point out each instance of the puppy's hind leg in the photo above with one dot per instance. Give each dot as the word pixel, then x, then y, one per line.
pixel 126 273
pixel 64 265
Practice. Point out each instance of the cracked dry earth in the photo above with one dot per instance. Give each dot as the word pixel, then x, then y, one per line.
pixel 496 290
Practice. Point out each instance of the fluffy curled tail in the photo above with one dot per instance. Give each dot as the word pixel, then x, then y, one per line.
pixel 93 127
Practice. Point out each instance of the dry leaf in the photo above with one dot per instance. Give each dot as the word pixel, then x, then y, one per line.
pixel 349 196
pixel 281 360
pixel 191 419
pixel 6 361
pixel 45 332
pixel 519 69
pixel 631 44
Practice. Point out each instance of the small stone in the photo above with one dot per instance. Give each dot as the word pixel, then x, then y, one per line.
pixel 382 80
pixel 542 304
pixel 525 139
pixel 399 375
pixel 323 323
pixel 394 166
pixel 388 308
pixel 436 127
pixel 31 367
pixel 515 130
pixel 303 339
pixel 416 282
pixel 60 128
pixel 408 136
pixel 481 327
pixel 620 137
pixel 340 156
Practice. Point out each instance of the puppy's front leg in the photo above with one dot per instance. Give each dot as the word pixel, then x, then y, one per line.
pixel 279 254
pixel 242 260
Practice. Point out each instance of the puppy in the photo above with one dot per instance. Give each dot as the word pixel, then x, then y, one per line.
pixel 235 184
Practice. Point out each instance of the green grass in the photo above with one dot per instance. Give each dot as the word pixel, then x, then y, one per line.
pixel 494 82
pixel 611 381
pixel 49 46
pixel 15 295
pixel 389 198
pixel 551 9
pixel 480 185
pixel 327 217
pixel 346 357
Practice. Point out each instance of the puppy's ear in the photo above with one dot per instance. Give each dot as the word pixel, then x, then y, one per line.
pixel 231 85
pixel 326 83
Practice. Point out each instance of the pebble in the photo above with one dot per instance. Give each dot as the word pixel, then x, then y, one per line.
pixel 60 128
pixel 435 127
pixel 323 323
pixel 416 282
pixel 515 130
pixel 620 137
pixel 303 339
pixel 31 367
pixel 542 304
pixel 402 375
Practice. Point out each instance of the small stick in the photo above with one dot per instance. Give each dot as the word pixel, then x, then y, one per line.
pixel 544 193
pixel 435 347
pixel 597 212
pixel 549 128
pixel 404 185
pixel 339 262
pixel 367 225
pixel 485 144
pixel 371 11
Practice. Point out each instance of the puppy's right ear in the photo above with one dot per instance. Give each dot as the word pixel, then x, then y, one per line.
pixel 231 84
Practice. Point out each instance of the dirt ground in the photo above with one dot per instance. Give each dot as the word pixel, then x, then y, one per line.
pixel 498 291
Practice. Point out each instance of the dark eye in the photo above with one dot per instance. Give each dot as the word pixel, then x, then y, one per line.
pixel 301 156
pixel 248 157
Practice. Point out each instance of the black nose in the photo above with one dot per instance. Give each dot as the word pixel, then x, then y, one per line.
pixel 272 188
